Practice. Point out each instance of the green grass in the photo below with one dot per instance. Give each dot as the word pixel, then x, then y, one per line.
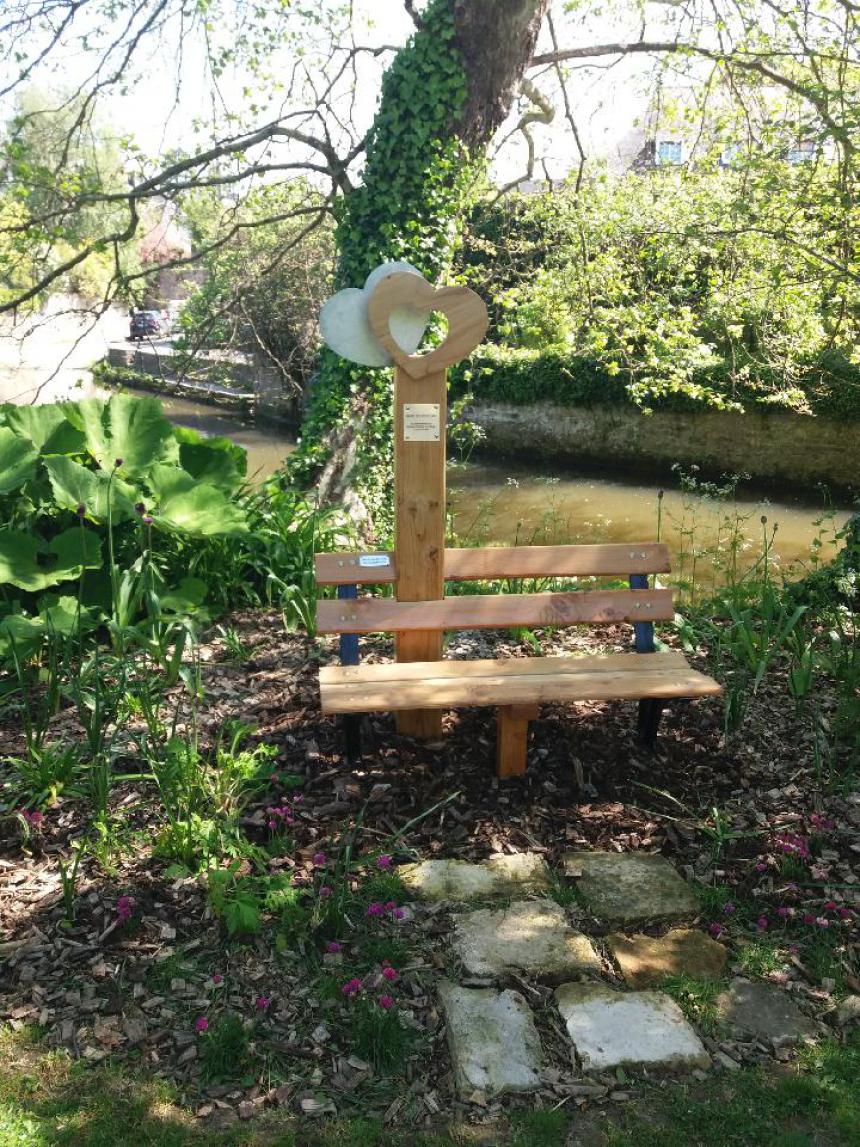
pixel 46 1100
pixel 696 999
pixel 760 957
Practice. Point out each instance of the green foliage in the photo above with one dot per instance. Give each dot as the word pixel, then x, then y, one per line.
pixel 639 289
pixel 203 799
pixel 233 900
pixel 224 1048
pixel 378 1034
pixel 413 193
pixel 263 287
pixel 85 512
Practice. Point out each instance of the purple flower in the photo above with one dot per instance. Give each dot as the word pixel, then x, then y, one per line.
pixel 262 1003
pixel 761 923
pixel 34 818
pixel 784 912
pixel 383 862
pixel 374 909
pixel 201 1024
pixel 147 519
pixel 385 1002
pixel 398 913
pixel 352 987
pixel 124 908
pixel 821 823
pixel 325 892
pixel 117 462
pixel 217 979
pixel 716 930
pixel 140 508
pixel 81 511
pixel 333 946
pixel 728 908
pixel 761 867
pixel 846 913
pixel 808 918
pixel 389 974
pixel 791 844
pixel 319 859
pixel 822 922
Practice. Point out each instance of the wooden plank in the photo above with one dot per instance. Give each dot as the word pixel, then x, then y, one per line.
pixel 419 484
pixel 505 689
pixel 494 611
pixel 571 665
pixel 512 738
pixel 376 568
pixel 505 562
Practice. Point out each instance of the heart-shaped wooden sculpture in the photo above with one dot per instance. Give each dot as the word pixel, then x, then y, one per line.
pixel 465 311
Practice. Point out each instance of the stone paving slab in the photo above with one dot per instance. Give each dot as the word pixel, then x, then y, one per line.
pixel 458 880
pixel 629 888
pixel 764 1012
pixel 645 960
pixel 494 1044
pixel 530 936
pixel 636 1029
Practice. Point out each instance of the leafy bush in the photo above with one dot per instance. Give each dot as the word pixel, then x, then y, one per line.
pixel 650 288
pixel 90 492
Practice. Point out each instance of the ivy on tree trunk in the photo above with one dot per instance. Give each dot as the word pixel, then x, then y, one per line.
pixel 443 97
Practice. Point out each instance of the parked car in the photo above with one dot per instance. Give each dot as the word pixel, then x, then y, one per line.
pixel 145 324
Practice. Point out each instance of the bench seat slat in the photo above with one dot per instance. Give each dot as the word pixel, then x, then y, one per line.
pixel 494 611
pixel 370 688
pixel 570 664
pixel 505 561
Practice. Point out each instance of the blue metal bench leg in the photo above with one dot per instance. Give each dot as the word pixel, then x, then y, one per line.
pixel 349 655
pixel 650 711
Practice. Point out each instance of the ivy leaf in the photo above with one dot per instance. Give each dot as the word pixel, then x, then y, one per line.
pixel 196 508
pixel 74 485
pixel 17 461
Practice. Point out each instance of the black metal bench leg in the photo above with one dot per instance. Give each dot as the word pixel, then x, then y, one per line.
pixel 650 713
pixel 352 737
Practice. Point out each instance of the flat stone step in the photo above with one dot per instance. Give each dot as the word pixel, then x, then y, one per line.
pixel 530 936
pixel 630 888
pixel 645 960
pixel 636 1029
pixel 457 880
pixel 764 1012
pixel 494 1044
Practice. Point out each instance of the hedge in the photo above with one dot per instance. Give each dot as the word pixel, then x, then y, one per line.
pixel 828 387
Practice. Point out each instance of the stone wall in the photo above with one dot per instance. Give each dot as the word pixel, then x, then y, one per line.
pixel 773 447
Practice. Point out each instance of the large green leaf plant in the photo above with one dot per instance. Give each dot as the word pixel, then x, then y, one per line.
pixel 93 493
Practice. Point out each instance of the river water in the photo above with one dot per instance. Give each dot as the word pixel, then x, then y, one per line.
pixel 495 503
pixel 490 501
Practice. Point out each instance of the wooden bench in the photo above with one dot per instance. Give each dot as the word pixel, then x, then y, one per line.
pixel 517 686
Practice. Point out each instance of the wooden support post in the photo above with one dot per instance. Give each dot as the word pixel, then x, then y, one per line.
pixel 512 738
pixel 420 416
pixel 420 423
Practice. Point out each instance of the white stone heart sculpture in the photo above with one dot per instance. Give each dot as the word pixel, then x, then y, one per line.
pixel 346 330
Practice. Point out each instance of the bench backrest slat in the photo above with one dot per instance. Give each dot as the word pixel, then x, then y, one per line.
pixel 504 562
pixel 491 611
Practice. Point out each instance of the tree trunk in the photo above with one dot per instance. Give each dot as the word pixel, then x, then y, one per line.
pixel 443 97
